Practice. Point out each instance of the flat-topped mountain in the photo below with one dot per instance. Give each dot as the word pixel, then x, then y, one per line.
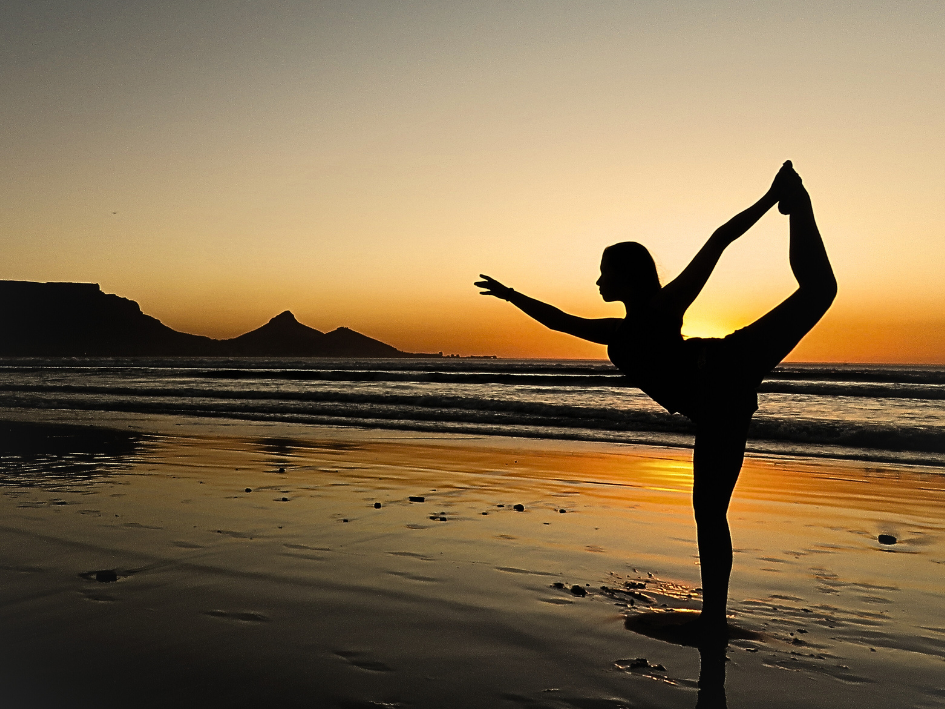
pixel 78 319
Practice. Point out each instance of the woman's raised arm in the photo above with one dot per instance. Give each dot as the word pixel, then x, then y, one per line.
pixel 677 295
pixel 599 330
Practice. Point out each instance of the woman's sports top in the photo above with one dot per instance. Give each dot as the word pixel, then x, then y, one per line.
pixel 695 377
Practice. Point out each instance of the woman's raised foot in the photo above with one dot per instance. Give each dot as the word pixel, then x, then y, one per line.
pixel 790 188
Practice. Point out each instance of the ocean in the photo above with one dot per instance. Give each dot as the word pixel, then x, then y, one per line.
pixel 861 412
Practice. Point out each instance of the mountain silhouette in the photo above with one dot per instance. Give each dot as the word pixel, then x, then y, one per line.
pixel 283 335
pixel 345 342
pixel 78 319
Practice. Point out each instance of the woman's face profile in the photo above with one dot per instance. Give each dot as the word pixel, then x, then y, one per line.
pixel 610 281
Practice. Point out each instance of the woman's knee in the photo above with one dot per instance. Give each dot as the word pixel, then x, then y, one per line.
pixel 710 511
pixel 827 289
pixel 819 294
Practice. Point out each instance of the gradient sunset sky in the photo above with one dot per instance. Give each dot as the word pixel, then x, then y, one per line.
pixel 360 163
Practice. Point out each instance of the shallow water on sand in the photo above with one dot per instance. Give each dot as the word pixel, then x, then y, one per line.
pixel 301 592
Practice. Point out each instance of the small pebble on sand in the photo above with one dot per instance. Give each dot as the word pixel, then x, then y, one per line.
pixel 106 576
pixel 416 498
pixel 249 489
pixel 377 505
pixel 518 508
pixel 578 591
pixel 886 539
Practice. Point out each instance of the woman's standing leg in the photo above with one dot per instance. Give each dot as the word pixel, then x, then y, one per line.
pixel 716 462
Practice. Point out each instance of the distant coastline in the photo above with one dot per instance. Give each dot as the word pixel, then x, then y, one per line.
pixel 80 320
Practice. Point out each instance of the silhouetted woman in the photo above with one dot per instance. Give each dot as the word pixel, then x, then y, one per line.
pixel 712 381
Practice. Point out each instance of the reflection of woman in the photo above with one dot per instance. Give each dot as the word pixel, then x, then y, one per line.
pixel 711 381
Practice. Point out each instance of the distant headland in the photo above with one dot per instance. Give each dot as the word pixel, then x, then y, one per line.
pixel 79 320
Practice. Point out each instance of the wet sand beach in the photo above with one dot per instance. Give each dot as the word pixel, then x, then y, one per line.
pixel 157 560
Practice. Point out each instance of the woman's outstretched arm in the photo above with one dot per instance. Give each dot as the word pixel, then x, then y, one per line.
pixel 599 330
pixel 677 295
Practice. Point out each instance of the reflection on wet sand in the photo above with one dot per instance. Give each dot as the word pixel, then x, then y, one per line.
pixel 712 659
pixel 675 627
pixel 59 455
pixel 395 570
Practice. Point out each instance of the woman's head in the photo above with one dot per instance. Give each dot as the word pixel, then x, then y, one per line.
pixel 627 272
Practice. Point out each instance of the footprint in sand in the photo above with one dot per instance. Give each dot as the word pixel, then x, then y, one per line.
pixel 360 660
pixel 413 577
pixel 186 545
pixel 243 616
pixel 305 547
pixel 411 554
pixel 515 570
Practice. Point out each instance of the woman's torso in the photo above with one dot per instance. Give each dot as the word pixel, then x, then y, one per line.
pixel 649 348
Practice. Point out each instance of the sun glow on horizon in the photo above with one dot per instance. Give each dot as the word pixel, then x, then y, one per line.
pixel 361 164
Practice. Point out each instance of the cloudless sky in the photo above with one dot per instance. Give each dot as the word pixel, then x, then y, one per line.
pixel 360 163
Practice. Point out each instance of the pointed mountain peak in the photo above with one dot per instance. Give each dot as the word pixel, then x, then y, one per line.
pixel 284 318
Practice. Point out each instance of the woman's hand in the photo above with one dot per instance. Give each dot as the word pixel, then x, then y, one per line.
pixel 491 286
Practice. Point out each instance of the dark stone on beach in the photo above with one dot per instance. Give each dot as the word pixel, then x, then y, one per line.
pixel 640 663
pixel 416 498
pixel 377 505
pixel 344 520
pixel 485 513
pixel 249 489
pixel 562 511
pixel 518 508
pixel 578 590
pixel 887 539
pixel 557 584
pixel 281 470
pixel 106 576
pixel 285 499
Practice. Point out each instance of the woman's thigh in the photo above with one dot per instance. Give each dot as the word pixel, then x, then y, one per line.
pixel 761 346
pixel 716 462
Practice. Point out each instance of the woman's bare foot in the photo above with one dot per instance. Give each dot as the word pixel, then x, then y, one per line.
pixel 704 629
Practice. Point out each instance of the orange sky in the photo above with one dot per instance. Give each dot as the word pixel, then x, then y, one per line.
pixel 361 163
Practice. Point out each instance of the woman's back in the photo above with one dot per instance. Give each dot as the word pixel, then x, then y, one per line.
pixel 649 349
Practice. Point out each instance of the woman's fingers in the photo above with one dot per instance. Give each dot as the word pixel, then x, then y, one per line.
pixel 491 286
pixel 488 282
